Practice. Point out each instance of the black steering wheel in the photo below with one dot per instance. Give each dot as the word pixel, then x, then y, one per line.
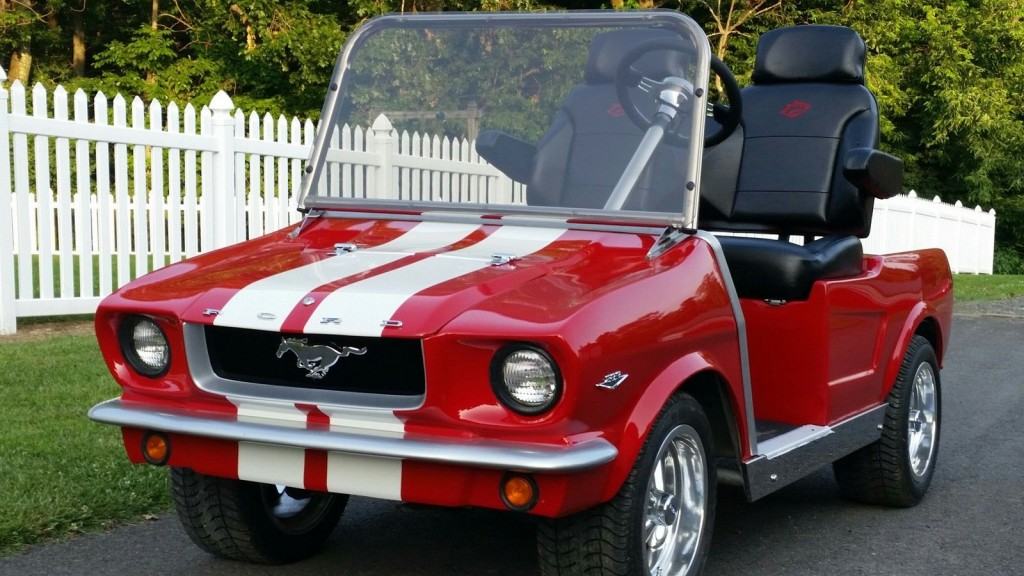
pixel 628 78
pixel 728 117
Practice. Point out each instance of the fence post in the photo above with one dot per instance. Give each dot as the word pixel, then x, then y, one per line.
pixel 223 201
pixel 912 234
pixel 507 186
pixel 977 254
pixel 8 321
pixel 958 265
pixel 383 146
pixel 990 243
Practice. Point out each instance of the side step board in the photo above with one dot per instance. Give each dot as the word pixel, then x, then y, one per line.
pixel 793 455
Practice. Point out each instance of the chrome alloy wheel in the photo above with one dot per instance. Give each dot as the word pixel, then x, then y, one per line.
pixel 922 423
pixel 676 504
pixel 293 510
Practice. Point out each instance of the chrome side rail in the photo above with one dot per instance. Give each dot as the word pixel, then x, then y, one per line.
pixel 519 456
pixel 765 474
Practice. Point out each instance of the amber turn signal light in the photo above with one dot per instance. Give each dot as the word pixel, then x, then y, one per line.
pixel 156 448
pixel 518 492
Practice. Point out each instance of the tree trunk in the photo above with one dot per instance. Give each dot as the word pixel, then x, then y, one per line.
pixel 78 44
pixel 154 17
pixel 250 30
pixel 21 66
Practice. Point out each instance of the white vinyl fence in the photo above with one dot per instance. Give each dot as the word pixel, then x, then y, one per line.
pixel 96 192
pixel 908 223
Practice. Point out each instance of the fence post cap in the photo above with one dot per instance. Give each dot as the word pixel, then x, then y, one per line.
pixel 992 211
pixel 912 193
pixel 977 208
pixel 221 102
pixel 381 124
pixel 959 204
pixel 937 199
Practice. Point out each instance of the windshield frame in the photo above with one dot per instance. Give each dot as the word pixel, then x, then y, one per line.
pixel 686 218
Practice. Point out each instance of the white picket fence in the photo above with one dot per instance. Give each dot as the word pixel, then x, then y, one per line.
pixel 907 223
pixel 129 188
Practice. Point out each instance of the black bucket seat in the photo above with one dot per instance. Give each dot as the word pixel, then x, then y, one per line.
pixel 806 163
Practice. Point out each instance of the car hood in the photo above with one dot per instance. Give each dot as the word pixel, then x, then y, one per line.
pixel 389 277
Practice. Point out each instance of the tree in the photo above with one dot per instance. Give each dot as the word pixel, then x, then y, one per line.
pixel 948 75
pixel 730 20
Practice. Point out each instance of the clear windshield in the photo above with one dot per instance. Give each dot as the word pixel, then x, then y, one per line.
pixel 512 113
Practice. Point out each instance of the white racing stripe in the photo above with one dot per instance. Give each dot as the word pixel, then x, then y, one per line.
pixel 274 412
pixel 263 462
pixel 359 475
pixel 271 464
pixel 364 476
pixel 375 421
pixel 266 303
pixel 363 306
pixel 346 473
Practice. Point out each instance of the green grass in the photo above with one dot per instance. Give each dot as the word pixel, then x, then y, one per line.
pixel 969 287
pixel 61 474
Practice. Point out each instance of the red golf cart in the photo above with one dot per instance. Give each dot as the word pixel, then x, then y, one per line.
pixel 639 295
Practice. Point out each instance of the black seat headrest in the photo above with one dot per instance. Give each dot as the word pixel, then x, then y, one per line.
pixel 607 50
pixel 823 54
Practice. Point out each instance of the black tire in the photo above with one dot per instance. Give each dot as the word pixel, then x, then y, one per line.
pixel 881 473
pixel 608 540
pixel 230 518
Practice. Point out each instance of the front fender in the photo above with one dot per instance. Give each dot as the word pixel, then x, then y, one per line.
pixel 646 410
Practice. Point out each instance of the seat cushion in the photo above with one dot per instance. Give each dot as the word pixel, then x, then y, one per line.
pixel 767 269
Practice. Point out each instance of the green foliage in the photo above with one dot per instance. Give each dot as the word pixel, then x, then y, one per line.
pixel 1008 261
pixel 948 74
pixel 406 70
pixel 147 50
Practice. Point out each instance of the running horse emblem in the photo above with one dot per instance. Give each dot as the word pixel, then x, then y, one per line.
pixel 317 359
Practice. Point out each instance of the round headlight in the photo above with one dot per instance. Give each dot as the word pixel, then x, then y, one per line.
pixel 144 346
pixel 526 379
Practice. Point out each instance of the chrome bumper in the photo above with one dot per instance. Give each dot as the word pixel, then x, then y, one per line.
pixel 520 456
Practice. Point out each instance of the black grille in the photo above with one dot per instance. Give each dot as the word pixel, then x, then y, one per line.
pixel 389 366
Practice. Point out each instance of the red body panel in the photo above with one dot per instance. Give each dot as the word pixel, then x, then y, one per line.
pixel 836 354
pixel 597 304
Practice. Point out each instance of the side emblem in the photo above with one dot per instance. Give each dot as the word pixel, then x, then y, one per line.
pixel 613 380
pixel 317 359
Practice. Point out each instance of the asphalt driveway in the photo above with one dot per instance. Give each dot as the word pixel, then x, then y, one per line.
pixel 971 523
